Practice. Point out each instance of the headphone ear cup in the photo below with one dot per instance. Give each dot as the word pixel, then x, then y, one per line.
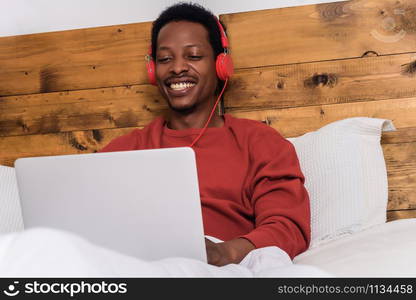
pixel 151 68
pixel 224 66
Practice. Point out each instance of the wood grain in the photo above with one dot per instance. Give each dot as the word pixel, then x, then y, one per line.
pixel 137 105
pixel 292 122
pixel 80 110
pixel 114 55
pixel 402 135
pixel 401 165
pixel 76 142
pixel 400 214
pixel 74 59
pixel 321 32
pixel 327 82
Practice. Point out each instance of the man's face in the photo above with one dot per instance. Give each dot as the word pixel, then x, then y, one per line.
pixel 185 66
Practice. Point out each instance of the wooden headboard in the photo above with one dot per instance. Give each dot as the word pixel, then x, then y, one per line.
pixel 297 69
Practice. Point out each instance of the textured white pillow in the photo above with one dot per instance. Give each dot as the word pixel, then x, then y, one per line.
pixel 10 212
pixel 346 176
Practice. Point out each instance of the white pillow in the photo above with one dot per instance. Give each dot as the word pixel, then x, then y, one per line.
pixel 346 176
pixel 10 212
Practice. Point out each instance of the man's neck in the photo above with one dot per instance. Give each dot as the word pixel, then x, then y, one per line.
pixel 194 120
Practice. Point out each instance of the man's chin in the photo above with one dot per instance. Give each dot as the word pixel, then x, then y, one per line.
pixel 184 110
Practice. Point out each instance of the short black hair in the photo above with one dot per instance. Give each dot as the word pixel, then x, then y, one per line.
pixel 191 12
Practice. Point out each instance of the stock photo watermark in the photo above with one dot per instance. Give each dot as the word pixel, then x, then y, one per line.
pixel 71 289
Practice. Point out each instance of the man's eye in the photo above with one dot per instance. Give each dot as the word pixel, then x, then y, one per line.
pixel 195 57
pixel 163 59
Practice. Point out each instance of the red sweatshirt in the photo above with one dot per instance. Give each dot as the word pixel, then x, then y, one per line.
pixel 250 182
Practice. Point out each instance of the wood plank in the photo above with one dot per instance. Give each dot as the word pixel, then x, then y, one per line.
pixel 402 197
pixel 401 174
pixel 400 214
pixel 76 142
pixel 80 110
pixel 402 135
pixel 327 82
pixel 292 122
pixel 321 32
pixel 137 105
pixel 74 59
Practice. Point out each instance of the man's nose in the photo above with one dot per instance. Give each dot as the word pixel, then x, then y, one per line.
pixel 179 66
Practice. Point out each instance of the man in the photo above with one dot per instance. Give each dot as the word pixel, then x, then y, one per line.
pixel 251 185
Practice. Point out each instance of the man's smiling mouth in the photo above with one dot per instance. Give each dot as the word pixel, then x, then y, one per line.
pixel 181 85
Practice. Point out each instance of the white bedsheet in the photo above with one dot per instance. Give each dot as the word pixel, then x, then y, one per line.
pixel 52 253
pixel 385 250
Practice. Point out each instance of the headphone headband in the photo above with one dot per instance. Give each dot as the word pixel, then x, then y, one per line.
pixel 224 38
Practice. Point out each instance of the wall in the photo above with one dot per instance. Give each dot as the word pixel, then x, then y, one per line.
pixel 34 16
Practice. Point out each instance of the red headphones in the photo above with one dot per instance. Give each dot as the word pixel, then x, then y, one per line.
pixel 223 64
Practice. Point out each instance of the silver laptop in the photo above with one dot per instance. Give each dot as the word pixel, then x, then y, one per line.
pixel 142 203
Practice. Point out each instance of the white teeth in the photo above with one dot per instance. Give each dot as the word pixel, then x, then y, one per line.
pixel 181 85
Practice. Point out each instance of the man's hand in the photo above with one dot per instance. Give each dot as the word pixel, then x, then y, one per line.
pixel 230 252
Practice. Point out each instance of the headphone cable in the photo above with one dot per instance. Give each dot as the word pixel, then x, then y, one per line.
pixel 210 116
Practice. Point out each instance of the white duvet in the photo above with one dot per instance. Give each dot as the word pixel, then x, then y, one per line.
pixel 52 253
pixel 385 250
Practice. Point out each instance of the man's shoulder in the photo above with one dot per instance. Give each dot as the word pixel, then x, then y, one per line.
pixel 253 128
pixel 262 141
pixel 133 139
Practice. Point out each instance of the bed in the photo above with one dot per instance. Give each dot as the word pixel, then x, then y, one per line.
pixel 336 79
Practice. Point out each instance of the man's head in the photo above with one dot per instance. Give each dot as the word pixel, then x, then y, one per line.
pixel 185 43
pixel 192 13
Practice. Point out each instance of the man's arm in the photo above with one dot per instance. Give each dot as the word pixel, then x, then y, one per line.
pixel 280 203
pixel 280 199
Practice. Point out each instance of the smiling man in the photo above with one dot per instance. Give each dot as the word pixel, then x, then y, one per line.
pixel 251 186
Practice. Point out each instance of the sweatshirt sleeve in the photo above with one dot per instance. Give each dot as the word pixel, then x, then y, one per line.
pixel 278 197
